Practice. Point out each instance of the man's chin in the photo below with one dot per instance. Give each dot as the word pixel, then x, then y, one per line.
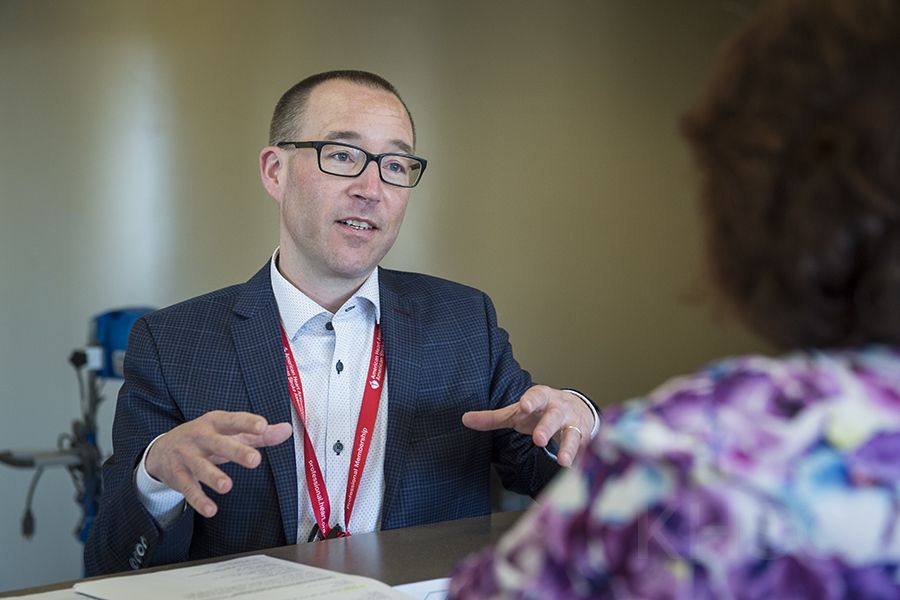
pixel 353 266
pixel 354 272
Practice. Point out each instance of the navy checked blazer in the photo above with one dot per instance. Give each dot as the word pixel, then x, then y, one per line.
pixel 445 355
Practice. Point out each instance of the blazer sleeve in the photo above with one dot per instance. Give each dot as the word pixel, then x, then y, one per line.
pixel 124 535
pixel 523 467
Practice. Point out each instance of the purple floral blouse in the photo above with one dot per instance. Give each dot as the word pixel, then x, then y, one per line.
pixel 756 478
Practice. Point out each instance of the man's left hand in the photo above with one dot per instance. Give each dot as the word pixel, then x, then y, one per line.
pixel 543 413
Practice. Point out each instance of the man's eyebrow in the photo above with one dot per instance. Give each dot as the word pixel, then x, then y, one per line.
pixel 352 136
pixel 403 146
pixel 335 136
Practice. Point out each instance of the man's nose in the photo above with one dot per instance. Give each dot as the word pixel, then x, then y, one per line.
pixel 369 182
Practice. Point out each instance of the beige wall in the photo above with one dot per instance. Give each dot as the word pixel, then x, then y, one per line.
pixel 557 183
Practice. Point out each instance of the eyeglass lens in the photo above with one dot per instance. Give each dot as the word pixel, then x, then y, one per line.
pixel 397 169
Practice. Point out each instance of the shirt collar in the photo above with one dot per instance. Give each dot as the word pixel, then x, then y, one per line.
pixel 297 309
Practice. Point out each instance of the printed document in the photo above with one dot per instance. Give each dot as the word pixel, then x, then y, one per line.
pixel 252 577
pixel 433 589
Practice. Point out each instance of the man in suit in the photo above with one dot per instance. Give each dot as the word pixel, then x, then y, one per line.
pixel 399 390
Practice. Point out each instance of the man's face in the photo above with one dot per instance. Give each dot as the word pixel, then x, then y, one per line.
pixel 335 230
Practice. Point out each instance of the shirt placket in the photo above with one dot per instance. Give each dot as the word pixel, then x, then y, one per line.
pixel 343 406
pixel 313 350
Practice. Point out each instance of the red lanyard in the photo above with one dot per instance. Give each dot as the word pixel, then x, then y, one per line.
pixel 315 484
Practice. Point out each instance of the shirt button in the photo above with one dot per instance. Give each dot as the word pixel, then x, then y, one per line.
pixel 338 446
pixel 339 366
pixel 329 326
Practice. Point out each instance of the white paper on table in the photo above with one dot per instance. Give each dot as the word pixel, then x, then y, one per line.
pixel 432 589
pixel 258 577
pixel 68 594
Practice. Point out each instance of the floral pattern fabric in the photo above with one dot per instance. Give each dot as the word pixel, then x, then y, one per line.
pixel 754 479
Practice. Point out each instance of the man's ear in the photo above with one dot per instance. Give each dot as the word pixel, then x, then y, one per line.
pixel 273 171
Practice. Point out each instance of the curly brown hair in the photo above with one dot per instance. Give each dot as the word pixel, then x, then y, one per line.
pixel 797 137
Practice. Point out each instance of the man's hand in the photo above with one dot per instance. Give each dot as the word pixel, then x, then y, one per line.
pixel 187 455
pixel 542 412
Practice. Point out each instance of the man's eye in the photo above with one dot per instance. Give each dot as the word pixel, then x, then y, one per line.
pixel 395 167
pixel 340 156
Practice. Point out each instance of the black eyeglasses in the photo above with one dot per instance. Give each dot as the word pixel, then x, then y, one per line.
pixel 344 160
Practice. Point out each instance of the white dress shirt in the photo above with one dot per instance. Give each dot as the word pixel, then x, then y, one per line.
pixel 333 363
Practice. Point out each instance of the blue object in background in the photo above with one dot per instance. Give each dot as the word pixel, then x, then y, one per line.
pixel 110 331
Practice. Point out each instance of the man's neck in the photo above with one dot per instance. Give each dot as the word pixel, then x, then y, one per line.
pixel 330 294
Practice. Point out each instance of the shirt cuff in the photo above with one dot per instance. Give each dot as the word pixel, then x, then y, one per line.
pixel 162 502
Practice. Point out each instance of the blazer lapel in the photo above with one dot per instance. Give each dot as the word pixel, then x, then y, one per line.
pixel 257 341
pixel 398 323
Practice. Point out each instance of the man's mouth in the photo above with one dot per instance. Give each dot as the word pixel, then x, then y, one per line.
pixel 358 225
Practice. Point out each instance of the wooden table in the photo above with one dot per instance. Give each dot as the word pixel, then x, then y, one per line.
pixel 394 557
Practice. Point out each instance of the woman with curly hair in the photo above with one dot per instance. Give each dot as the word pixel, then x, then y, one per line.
pixel 760 477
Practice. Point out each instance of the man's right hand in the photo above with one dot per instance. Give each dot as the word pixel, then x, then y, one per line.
pixel 188 455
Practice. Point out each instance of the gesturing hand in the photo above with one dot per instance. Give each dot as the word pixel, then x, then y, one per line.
pixel 188 455
pixel 542 412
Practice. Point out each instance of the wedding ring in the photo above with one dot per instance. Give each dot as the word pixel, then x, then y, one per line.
pixel 581 435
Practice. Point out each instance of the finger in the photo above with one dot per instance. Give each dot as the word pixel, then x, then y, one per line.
pixel 184 482
pixel 276 434
pixel 568 447
pixel 186 467
pixel 535 399
pixel 488 420
pixel 234 423
pixel 272 436
pixel 229 448
pixel 551 421
pixel 206 472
